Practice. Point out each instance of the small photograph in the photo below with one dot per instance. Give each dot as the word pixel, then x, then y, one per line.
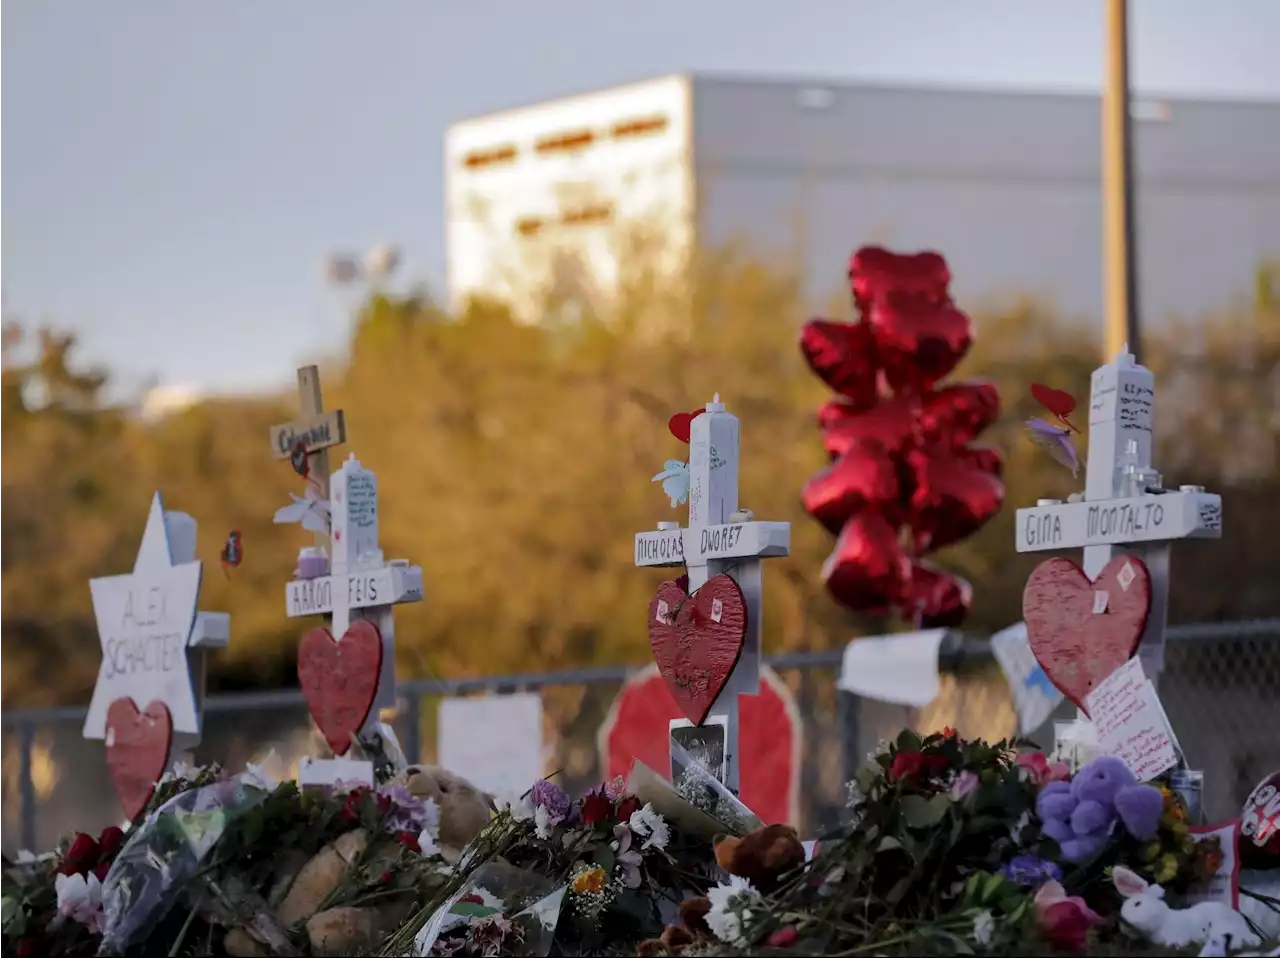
pixel 703 744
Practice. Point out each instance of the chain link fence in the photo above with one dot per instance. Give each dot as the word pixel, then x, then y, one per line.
pixel 1220 689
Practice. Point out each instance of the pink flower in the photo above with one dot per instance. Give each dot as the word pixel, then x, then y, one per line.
pixel 1042 771
pixel 965 783
pixel 1065 920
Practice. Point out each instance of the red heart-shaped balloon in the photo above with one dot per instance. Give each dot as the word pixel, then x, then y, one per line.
pixel 891 424
pixel 340 679
pixel 843 356
pixel 918 342
pixel 987 458
pixel 697 640
pixel 867 571
pixel 681 424
pixel 956 413
pixel 952 499
pixel 936 599
pixel 864 478
pixel 1082 631
pixel 875 273
pixel 138 746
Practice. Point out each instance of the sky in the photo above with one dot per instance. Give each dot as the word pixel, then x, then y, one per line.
pixel 174 174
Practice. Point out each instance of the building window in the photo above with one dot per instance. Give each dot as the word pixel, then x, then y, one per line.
pixel 529 226
pixel 588 215
pixel 641 126
pixel 566 142
pixel 479 159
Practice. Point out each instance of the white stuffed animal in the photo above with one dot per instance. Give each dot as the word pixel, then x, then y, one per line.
pixel 1146 911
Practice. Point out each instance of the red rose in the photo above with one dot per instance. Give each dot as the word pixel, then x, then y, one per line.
pixel 1064 920
pixel 110 841
pixel 80 857
pixel 409 841
pixel 596 808
pixel 101 869
pixel 630 805
pixel 783 938
pixel 353 805
pixel 915 768
pixel 384 878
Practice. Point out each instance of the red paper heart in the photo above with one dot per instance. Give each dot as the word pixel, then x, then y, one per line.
pixel 138 746
pixel 340 679
pixel 1077 646
pixel 682 422
pixel 1055 400
pixel 697 640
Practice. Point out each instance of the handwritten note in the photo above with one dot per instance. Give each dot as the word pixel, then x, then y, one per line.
pixel 362 500
pixel 1130 722
pixel 1224 884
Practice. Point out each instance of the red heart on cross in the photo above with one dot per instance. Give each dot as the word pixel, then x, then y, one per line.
pixel 1081 631
pixel 697 640
pixel 138 746
pixel 340 679
pixel 682 422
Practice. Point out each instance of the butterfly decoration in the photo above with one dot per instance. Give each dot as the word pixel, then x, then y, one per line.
pixel 311 511
pixel 1061 404
pixel 1055 437
pixel 675 481
pixel 232 552
pixel 301 463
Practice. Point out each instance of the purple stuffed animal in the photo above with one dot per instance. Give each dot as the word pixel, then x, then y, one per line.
pixel 1081 815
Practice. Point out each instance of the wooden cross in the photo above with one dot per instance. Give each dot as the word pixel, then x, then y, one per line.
pixel 1124 507
pixel 359 583
pixel 316 429
pixel 720 539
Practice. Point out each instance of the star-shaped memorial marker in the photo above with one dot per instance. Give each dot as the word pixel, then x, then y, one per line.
pixel 149 628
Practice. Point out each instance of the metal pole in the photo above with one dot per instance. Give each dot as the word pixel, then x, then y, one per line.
pixel 1119 228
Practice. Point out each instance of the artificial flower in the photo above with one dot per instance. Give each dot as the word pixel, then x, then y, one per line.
pixel 966 782
pixel 650 826
pixel 80 899
pixel 1065 920
pixel 1034 767
pixel 984 927
pixel 731 909
pixel 626 859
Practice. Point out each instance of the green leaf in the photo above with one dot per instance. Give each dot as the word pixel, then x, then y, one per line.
pixel 866 778
pixel 919 812
pixel 605 858
pixel 990 887
pixel 888 844
pixel 908 741
pixel 897 892
pixel 469 909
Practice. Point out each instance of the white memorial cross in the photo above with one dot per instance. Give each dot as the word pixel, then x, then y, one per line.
pixel 1124 507
pixel 720 539
pixel 153 639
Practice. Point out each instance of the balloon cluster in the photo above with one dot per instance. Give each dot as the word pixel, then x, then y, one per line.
pixel 905 478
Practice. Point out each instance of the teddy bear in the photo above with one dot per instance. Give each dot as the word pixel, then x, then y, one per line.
pixel 761 857
pixel 464 809
pixel 1081 815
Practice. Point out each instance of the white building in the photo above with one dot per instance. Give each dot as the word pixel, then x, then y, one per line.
pixel 1006 185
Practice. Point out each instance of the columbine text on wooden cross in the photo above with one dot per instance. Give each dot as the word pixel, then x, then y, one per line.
pixel 1124 507
pixel 318 431
pixel 720 539
pixel 153 638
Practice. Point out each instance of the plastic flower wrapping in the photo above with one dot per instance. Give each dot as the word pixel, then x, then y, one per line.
pixel 501 910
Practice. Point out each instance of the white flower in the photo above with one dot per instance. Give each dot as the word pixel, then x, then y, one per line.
pixel 543 823
pixel 180 772
pixel 731 906
pixel 257 776
pixel 520 809
pixel 80 899
pixel 431 817
pixel 1015 831
pixel 25 857
pixel 427 843
pixel 984 927
pixel 651 826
